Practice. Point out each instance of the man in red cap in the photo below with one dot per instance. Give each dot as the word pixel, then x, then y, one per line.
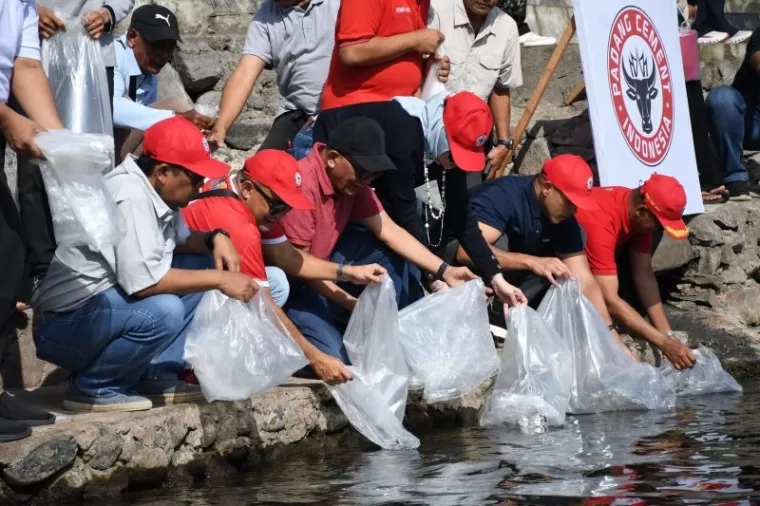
pixel 248 203
pixel 628 217
pixel 118 318
pixel 450 129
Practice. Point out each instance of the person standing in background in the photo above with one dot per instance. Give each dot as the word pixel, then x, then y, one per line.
pixel 518 10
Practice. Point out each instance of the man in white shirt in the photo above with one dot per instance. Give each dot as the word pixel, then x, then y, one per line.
pixel 148 45
pixel 22 74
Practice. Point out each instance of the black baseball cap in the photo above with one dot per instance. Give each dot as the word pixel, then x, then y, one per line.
pixel 155 22
pixel 362 141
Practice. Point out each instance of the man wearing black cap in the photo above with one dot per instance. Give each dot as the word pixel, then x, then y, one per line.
pixel 336 178
pixel 149 44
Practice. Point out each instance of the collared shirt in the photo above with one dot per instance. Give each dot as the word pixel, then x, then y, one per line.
pixel 19 38
pixel 480 61
pixel 320 228
pixel 509 205
pixel 609 228
pixel 140 260
pixel 232 215
pixel 138 114
pixel 298 43
pixel 360 21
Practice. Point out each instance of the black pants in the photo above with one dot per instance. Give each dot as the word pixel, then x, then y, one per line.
pixel 708 163
pixel 11 248
pixel 284 130
pixel 711 17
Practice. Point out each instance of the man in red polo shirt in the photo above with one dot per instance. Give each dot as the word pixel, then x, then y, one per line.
pixel 379 45
pixel 247 204
pixel 629 217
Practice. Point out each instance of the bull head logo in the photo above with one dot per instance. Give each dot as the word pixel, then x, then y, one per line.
pixel 641 87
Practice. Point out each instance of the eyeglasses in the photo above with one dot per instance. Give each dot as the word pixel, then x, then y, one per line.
pixel 276 206
pixel 195 179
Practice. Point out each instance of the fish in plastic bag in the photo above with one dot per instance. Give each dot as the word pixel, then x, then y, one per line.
pixel 447 341
pixel 605 377
pixel 83 210
pixel 372 343
pixel 532 390
pixel 706 377
pixel 368 412
pixel 238 350
pixel 374 402
pixel 74 64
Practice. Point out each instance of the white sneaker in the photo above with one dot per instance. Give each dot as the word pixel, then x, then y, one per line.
pixel 739 37
pixel 533 39
pixel 713 37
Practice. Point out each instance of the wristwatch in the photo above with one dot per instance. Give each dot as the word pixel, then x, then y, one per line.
pixel 508 143
pixel 439 274
pixel 209 239
pixel 613 327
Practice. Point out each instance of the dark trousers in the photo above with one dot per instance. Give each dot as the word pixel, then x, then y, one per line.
pixel 711 17
pixel 708 163
pixel 11 248
pixel 284 130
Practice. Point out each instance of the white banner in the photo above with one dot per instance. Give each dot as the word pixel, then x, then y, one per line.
pixel 637 93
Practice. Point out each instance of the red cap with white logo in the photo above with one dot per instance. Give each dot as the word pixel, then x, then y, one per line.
pixel 571 175
pixel 278 171
pixel 665 197
pixel 468 124
pixel 177 141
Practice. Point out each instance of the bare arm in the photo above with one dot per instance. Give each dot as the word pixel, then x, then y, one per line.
pixel 331 291
pixel 402 242
pixel 378 49
pixel 299 263
pixel 237 89
pixel 648 290
pixel 31 88
pixel 184 281
pixel 500 103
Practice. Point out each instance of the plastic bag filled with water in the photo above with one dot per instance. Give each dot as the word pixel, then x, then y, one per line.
pixel 605 376
pixel 76 70
pixel 706 377
pixel 237 349
pixel 447 341
pixel 532 389
pixel 83 210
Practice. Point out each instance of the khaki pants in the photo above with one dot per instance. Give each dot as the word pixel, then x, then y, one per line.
pixel 129 141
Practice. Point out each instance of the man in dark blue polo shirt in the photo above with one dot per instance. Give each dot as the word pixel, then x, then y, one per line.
pixel 530 224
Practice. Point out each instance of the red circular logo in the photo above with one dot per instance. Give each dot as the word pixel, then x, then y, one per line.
pixel 641 85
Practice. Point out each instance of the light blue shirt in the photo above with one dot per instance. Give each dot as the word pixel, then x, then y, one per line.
pixel 18 39
pixel 126 113
pixel 430 114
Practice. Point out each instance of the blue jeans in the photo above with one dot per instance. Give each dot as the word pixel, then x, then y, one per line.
pixel 279 286
pixel 303 142
pixel 735 126
pixel 323 322
pixel 115 340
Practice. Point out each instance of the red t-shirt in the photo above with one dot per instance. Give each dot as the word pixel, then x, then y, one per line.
pixel 359 21
pixel 609 228
pixel 320 228
pixel 231 214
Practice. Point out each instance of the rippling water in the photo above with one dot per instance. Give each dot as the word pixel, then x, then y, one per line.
pixel 705 452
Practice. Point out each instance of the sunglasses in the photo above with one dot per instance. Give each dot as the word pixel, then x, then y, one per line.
pixel 276 206
pixel 195 179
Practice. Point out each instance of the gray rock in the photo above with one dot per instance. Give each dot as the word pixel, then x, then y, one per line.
pixel 199 66
pixel 741 302
pixel 248 131
pixel 727 255
pixel 105 450
pixel 733 275
pixel 170 85
pixel 705 232
pixel 531 156
pixel 708 262
pixel 672 254
pixel 271 420
pixel 731 216
pixel 42 462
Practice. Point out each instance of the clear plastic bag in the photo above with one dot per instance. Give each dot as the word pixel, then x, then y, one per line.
pixel 76 70
pixel 433 85
pixel 706 377
pixel 605 376
pixel 238 350
pixel 83 210
pixel 532 389
pixel 367 411
pixel 372 343
pixel 447 341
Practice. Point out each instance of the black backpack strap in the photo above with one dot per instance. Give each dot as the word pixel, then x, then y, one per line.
pixel 220 192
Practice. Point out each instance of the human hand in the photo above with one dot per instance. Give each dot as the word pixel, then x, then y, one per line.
pixel 95 22
pixel 444 67
pixel 19 133
pixel 363 274
pixel 507 293
pixel 237 286
pixel 455 276
pixel 225 255
pixel 550 268
pixel 497 156
pixel 678 353
pixel 198 119
pixel 49 23
pixel 427 40
pixel 216 138
pixel 331 370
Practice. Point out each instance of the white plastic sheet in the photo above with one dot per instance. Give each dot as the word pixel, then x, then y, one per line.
pixel 432 85
pixel 532 390
pixel 375 400
pixel 706 377
pixel 447 341
pixel 238 350
pixel 606 378
pixel 76 70
pixel 83 210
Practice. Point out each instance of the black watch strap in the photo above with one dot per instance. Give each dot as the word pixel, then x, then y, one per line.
pixel 439 273
pixel 509 143
pixel 210 237
pixel 613 327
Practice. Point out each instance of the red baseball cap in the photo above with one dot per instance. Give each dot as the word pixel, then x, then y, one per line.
pixel 278 171
pixel 571 175
pixel 666 199
pixel 468 124
pixel 178 142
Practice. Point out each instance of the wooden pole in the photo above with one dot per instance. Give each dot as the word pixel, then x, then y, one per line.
pixel 576 93
pixel 538 93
